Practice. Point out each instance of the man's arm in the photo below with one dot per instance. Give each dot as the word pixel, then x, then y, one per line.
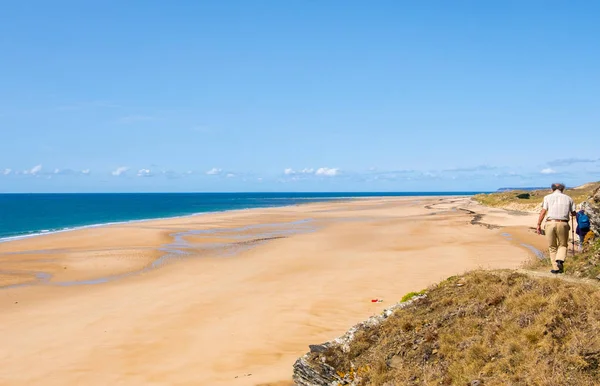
pixel 540 219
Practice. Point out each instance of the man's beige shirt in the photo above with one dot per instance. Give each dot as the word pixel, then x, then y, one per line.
pixel 558 205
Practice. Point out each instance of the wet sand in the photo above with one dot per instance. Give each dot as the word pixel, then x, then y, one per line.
pixel 230 298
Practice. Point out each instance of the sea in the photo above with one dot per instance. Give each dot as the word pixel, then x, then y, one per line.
pixel 26 215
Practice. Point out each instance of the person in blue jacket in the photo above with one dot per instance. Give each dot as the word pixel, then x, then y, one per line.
pixel 583 225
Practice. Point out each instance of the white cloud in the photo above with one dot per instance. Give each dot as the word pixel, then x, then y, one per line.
pixel 85 171
pixel 67 172
pixel 120 171
pixel 214 171
pixel 230 175
pixel 291 172
pixel 259 179
pixel 144 173
pixel 548 171
pixel 6 172
pixel 330 172
pixel 34 170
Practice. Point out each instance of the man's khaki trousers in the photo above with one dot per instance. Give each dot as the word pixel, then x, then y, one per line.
pixel 557 234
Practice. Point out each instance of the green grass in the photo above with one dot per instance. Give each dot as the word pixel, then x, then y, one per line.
pixel 411 295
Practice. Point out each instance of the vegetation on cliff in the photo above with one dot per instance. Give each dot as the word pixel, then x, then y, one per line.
pixel 483 328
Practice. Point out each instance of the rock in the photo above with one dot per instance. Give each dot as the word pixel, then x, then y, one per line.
pixel 592 208
pixel 475 382
pixel 395 362
pixel 311 374
pixel 318 347
pixel 312 369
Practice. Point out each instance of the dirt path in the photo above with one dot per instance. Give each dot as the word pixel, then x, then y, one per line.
pixel 563 277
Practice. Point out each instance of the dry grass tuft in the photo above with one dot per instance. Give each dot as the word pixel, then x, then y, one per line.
pixel 499 327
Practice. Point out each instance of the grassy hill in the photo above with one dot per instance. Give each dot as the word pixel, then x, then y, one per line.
pixel 531 200
pixel 483 328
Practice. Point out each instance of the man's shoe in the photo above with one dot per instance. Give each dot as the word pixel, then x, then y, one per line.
pixel 555 271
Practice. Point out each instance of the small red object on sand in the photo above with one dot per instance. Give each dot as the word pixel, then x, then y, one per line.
pixel 376 300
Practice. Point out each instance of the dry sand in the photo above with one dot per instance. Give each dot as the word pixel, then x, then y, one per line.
pixel 231 298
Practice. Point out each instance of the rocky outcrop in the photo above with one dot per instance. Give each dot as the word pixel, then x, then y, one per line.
pixel 311 369
pixel 592 208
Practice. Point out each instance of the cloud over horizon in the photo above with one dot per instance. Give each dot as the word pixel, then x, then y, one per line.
pixel 571 161
pixel 472 169
pixel 120 171
pixel 145 173
pixel 34 170
pixel 291 172
pixel 214 171
pixel 308 171
pixel 475 178
pixel 329 172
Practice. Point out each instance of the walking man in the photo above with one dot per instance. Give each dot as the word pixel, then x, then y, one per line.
pixel 558 206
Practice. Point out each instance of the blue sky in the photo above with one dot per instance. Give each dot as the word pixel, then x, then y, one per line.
pixel 297 95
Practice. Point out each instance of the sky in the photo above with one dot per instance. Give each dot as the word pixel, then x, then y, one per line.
pixel 230 96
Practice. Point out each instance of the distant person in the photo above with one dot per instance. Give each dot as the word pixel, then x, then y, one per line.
pixel 583 226
pixel 558 206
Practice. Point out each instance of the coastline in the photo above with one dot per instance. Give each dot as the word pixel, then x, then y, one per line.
pixel 314 199
pixel 252 290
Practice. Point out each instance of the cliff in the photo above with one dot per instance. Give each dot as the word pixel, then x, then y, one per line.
pixel 483 328
pixel 592 208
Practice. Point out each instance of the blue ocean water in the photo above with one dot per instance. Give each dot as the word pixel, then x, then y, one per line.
pixel 29 214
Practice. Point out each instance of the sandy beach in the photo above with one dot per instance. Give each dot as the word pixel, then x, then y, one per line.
pixel 230 298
